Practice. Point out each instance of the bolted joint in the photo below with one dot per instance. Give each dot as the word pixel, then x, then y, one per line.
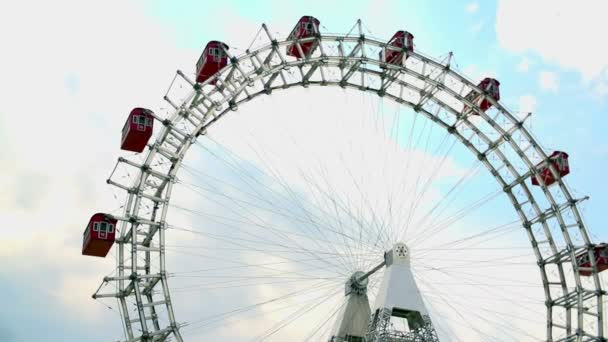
pixel 355 285
pixel 232 104
pixel 381 92
pixel 234 60
pixel 197 86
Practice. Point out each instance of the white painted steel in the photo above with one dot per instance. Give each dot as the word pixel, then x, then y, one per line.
pixel 398 287
pixel 510 153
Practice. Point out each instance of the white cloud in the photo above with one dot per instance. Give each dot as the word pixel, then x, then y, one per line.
pixel 473 7
pixel 61 142
pixel 524 65
pixel 548 81
pixel 470 70
pixel 601 89
pixel 476 74
pixel 565 32
pixel 527 104
pixel 292 139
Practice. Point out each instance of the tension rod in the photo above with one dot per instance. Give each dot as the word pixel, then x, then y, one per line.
pixel 369 273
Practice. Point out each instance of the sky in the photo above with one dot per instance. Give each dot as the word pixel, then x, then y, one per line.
pixel 71 70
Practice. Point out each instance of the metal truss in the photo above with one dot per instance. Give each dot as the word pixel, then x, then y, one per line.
pixel 381 330
pixel 498 138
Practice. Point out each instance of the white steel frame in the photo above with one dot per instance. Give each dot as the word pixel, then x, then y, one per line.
pixel 499 140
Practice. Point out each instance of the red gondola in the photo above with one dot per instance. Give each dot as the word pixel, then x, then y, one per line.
pixel 137 130
pixel 306 27
pixel 490 87
pixel 559 160
pixel 601 259
pixel 212 60
pixel 402 40
pixel 99 235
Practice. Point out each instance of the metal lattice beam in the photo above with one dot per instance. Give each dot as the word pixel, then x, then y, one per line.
pixel 256 73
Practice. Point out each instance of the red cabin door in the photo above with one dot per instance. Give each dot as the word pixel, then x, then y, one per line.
pixel 397 42
pixel 561 163
pixel 493 90
pixel 602 256
pixel 308 29
pixel 103 229
pixel 216 54
pixel 142 121
pixel 410 42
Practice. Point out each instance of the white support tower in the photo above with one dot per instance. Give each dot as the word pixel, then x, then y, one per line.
pixel 399 313
pixel 352 323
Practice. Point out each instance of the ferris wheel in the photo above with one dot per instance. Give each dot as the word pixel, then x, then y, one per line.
pixel 347 267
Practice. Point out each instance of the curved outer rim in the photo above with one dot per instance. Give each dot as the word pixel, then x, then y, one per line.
pixel 206 104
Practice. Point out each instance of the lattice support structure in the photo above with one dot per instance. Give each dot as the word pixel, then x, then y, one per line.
pixel 381 330
pixel 498 138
